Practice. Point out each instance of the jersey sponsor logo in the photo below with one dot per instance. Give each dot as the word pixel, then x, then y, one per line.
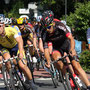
pixel 8 39
pixel 60 27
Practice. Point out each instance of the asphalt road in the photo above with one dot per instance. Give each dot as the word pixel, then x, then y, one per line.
pixel 42 80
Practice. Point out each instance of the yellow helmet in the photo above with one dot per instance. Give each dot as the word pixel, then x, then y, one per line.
pixel 20 21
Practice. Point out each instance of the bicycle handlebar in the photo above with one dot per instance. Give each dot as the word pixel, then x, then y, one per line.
pixel 10 59
pixel 28 46
pixel 59 59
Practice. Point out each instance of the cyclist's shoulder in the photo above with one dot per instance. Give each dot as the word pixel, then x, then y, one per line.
pixel 15 26
pixel 56 20
pixel 10 30
pixel 60 26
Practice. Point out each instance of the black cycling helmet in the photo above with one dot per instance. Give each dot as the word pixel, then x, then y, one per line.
pixel 47 17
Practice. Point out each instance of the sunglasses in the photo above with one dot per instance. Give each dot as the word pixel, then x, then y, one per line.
pixel 49 26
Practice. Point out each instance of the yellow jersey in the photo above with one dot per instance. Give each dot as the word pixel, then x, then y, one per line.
pixel 8 40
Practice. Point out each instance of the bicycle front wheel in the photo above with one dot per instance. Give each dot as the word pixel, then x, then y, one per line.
pixel 6 77
pixel 12 81
pixel 54 75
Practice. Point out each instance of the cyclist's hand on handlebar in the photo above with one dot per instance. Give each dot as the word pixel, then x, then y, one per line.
pixel 72 52
pixel 21 56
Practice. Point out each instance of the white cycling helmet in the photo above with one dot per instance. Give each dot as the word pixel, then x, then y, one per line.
pixel 8 21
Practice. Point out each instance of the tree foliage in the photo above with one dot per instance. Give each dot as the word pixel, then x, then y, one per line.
pixel 80 19
pixel 14 12
pixel 58 6
pixel 85 60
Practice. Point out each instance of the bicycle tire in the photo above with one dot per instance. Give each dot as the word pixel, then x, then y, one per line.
pixel 37 66
pixel 77 86
pixel 6 77
pixel 19 82
pixel 62 80
pixel 30 65
pixel 12 83
pixel 68 81
pixel 54 76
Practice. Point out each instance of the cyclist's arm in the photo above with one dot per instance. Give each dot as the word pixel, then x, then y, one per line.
pixel 46 53
pixel 19 40
pixel 69 36
pixel 20 46
pixel 35 41
pixel 72 43
pixel 41 45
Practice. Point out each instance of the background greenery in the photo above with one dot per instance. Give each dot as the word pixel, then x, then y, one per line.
pixel 80 20
pixel 85 60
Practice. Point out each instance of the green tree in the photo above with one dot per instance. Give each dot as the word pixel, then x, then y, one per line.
pixel 14 12
pixel 85 60
pixel 58 6
pixel 80 19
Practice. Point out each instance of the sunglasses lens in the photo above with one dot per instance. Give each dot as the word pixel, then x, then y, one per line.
pixel 48 27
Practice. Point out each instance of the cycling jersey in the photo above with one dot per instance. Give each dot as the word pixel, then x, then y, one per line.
pixel 58 37
pixel 88 35
pixel 27 34
pixel 8 41
pixel 16 27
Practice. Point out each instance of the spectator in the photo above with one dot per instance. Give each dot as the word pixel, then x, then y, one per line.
pixel 88 37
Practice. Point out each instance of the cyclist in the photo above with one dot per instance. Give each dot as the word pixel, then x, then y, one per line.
pixel 11 44
pixel 33 23
pixel 26 31
pixel 88 38
pixel 28 34
pixel 62 41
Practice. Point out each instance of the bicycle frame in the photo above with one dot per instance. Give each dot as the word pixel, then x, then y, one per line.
pixel 13 73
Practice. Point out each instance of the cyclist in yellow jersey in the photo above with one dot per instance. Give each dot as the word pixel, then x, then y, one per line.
pixel 10 43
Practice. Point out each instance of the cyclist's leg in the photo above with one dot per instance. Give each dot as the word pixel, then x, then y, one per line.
pixel 50 46
pixel 41 45
pixel 68 61
pixel 80 72
pixel 31 49
pixel 59 65
pixel 25 69
pixel 27 73
pixel 6 55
